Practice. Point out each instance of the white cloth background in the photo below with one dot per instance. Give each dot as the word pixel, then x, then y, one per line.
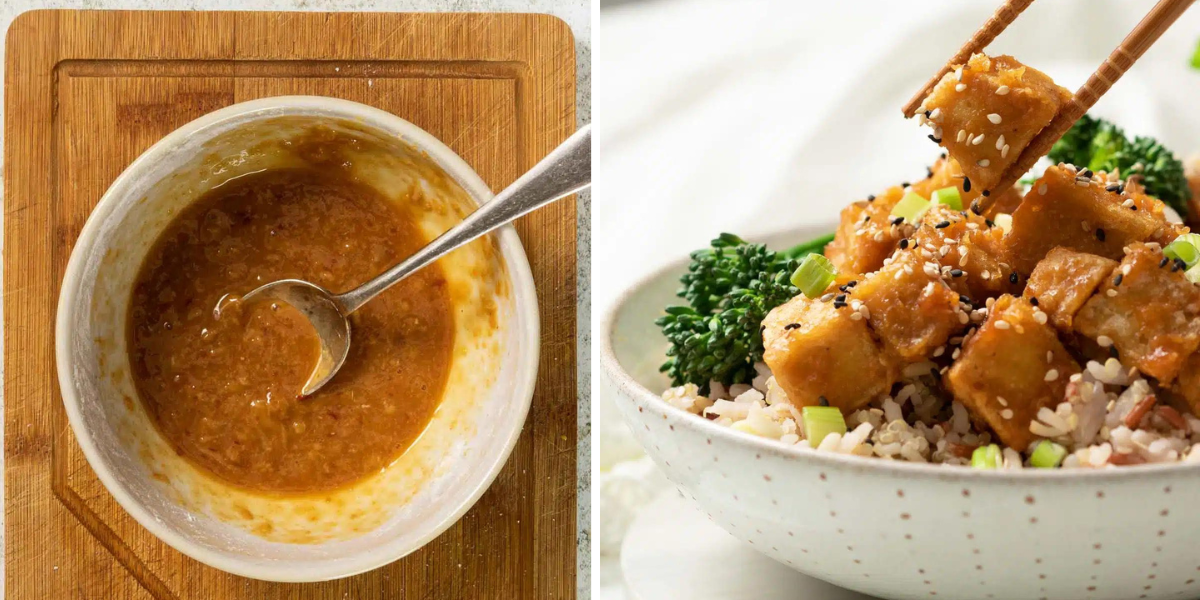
pixel 759 115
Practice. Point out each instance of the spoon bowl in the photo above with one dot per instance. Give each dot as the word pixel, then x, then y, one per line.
pixel 327 316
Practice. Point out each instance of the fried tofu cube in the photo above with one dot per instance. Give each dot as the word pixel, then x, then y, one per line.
pixel 865 237
pixel 969 252
pixel 819 349
pixel 909 307
pixel 1009 369
pixel 1149 311
pixel 1063 208
pixel 1187 387
pixel 1064 280
pixel 985 112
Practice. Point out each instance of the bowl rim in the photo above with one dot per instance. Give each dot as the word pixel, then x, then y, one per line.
pixel 524 381
pixel 631 390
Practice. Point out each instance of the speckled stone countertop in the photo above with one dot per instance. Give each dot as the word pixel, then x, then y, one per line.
pixel 576 13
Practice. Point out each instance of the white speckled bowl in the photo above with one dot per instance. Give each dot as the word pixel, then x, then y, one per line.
pixel 903 530
pixel 316 536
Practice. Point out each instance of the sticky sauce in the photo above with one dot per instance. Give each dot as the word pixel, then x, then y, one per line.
pixel 222 389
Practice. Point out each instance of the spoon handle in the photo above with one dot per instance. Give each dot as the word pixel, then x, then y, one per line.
pixel 564 171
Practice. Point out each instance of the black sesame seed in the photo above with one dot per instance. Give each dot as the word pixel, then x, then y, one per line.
pixel 943 225
pixel 987 193
pixel 839 304
pixel 823 401
pixel 852 283
pixel 976 207
pixel 1013 278
pixel 1134 207
pixel 964 299
pixel 1086 173
pixel 1112 351
pixel 1033 300
pixel 871 198
pixel 929 171
pixel 928 113
pixel 791 326
pixel 1162 263
pixel 1112 187
pixel 1100 234
pixel 904 244
pixel 897 220
pixel 936 141
pixel 943 155
pixel 1179 265
pixel 867 219
pixel 1118 279
pixel 839 298
pixel 956 273
pixel 905 184
pixel 966 184
pixel 989 222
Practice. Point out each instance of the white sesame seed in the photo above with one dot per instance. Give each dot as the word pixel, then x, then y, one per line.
pixel 957 353
pixel 930 289
pixel 1128 203
pixel 962 262
pixel 935 113
pixel 1007 413
pixel 1040 317
pixel 983 162
pixel 1002 90
pixel 1002 324
pixel 961 135
pixel 1052 375
pixel 908 269
pixel 899 275
pixel 1112 293
pixel 855 316
pixel 1049 356
pixel 1001 400
pixel 940 351
pixel 963 318
pixel 1126 269
pixel 879 236
pixel 978 140
pixel 958 74
pixel 1000 142
pixel 1083 182
pixel 1004 151
pixel 960 87
pixel 1084 225
pixel 864 311
pixel 1104 341
pixel 994 118
pixel 1042 189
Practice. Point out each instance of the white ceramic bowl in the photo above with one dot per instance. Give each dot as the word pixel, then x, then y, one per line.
pixel 314 537
pixel 904 530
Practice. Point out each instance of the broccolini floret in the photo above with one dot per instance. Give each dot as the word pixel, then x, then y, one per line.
pixel 1099 145
pixel 730 288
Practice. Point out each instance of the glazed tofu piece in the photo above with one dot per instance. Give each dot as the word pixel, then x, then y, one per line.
pixel 1187 386
pixel 1077 211
pixel 985 112
pixel 968 251
pixel 821 349
pixel 1064 280
pixel 1149 311
pixel 909 307
pixel 1010 368
pixel 866 235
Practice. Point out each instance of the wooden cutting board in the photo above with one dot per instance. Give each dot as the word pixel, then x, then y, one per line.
pixel 87 91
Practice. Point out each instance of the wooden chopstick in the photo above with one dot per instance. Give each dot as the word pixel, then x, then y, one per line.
pixel 1003 17
pixel 1122 58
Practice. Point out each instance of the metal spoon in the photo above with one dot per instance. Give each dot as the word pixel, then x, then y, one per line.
pixel 563 172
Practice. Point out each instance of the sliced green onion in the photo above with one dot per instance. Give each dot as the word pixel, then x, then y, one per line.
pixel 1196 57
pixel 986 457
pixel 948 196
pixel 911 207
pixel 1047 455
pixel 1193 274
pixel 814 275
pixel 1003 221
pixel 820 421
pixel 1183 249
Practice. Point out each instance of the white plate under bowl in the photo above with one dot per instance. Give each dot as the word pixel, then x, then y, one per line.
pixel 316 536
pixel 904 530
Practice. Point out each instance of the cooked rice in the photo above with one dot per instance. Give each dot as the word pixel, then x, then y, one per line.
pixel 921 423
